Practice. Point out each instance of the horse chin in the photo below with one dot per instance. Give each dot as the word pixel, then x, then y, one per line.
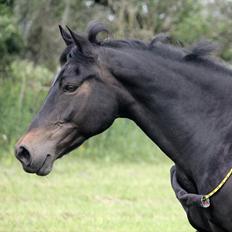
pixel 43 172
pixel 46 167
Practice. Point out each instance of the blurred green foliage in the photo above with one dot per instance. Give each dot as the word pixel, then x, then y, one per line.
pixel 21 94
pixel 11 42
pixel 30 45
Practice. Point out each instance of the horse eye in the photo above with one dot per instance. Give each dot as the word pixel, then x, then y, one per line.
pixel 70 88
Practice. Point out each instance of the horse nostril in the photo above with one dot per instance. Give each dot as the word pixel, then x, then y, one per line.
pixel 23 155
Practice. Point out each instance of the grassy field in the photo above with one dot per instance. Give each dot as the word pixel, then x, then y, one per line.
pixel 90 196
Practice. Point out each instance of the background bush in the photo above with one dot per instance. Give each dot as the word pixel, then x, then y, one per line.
pixel 21 95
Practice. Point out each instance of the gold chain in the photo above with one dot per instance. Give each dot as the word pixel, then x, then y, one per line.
pixel 207 196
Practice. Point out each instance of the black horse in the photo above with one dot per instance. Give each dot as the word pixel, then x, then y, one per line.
pixel 181 98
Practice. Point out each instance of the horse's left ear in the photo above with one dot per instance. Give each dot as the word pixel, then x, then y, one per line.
pixel 66 37
pixel 82 43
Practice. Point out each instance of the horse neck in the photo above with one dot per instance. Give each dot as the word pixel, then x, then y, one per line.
pixel 184 107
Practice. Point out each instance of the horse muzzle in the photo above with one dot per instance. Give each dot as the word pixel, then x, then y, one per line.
pixel 35 152
pixel 41 165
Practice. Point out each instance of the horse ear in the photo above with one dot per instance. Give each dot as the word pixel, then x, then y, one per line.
pixel 66 37
pixel 82 43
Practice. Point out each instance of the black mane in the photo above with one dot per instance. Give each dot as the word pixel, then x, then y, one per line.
pixel 162 43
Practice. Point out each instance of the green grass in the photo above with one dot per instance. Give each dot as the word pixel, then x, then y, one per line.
pixel 85 196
